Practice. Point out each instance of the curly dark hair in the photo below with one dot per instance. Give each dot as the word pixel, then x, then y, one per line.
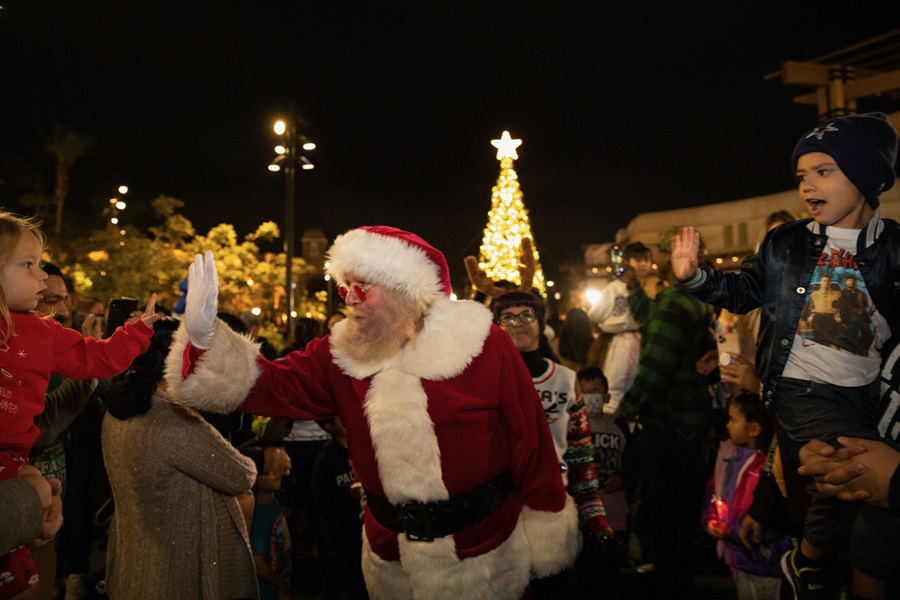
pixel 130 393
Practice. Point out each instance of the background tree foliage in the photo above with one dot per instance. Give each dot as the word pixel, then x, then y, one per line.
pixel 65 146
pixel 106 264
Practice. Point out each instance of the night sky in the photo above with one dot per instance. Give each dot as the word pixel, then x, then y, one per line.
pixel 623 107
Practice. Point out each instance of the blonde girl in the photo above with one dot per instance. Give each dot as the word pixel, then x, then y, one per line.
pixel 33 347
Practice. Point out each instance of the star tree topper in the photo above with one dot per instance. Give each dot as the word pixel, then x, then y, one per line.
pixel 506 147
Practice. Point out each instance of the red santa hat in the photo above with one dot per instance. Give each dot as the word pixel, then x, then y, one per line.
pixel 391 258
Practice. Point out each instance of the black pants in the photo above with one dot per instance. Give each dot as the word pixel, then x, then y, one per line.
pixel 674 470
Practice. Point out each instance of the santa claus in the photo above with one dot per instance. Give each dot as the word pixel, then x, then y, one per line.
pixel 444 428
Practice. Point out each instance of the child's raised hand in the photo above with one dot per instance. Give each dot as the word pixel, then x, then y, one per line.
pixel 202 300
pixel 149 316
pixel 685 247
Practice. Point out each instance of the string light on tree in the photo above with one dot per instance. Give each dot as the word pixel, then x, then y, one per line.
pixel 508 221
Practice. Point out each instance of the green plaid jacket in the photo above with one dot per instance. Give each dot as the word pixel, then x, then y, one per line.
pixel 675 332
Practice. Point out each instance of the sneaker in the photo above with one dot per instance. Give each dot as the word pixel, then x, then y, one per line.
pixel 75 588
pixel 809 583
pixel 644 568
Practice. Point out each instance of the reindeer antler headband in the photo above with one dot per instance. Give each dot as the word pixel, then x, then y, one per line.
pixel 488 287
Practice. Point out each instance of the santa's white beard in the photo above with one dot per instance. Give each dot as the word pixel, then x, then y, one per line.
pixel 372 337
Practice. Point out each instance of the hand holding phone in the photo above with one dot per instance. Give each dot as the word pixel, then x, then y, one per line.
pixel 617 260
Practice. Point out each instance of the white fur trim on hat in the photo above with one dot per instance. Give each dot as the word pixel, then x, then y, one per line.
pixel 387 261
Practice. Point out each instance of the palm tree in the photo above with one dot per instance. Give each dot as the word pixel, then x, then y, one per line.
pixel 65 145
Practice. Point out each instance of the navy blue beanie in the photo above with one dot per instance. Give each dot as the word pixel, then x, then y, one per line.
pixel 863 146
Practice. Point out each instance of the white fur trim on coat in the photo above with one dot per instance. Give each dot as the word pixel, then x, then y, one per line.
pixel 432 571
pixel 222 376
pixel 554 538
pixel 387 261
pixel 406 446
pixel 385 579
pixel 409 467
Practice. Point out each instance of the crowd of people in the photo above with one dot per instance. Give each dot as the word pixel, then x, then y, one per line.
pixel 416 446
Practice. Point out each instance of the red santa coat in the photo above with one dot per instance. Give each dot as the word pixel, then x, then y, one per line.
pixel 448 413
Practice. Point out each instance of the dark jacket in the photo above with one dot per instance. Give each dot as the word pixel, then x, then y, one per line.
pixel 776 278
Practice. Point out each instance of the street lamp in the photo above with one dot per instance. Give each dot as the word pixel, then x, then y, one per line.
pixel 286 159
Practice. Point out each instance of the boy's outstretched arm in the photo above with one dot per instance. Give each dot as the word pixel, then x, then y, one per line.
pixel 685 247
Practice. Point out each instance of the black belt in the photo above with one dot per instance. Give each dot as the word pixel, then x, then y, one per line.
pixel 425 521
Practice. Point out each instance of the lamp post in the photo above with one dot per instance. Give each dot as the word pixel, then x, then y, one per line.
pixel 286 158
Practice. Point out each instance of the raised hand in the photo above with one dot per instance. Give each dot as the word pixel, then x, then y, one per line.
pixel 202 300
pixel 685 247
pixel 149 316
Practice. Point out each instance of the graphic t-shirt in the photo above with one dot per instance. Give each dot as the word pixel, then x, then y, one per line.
pixel 270 537
pixel 840 329
pixel 556 388
pixel 609 445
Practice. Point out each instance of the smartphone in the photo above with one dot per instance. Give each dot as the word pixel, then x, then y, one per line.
pixel 118 311
pixel 727 344
pixel 616 260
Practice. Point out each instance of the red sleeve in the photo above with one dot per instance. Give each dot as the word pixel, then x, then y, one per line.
pixel 82 357
pixel 191 355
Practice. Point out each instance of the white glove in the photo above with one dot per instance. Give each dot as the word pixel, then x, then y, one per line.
pixel 202 300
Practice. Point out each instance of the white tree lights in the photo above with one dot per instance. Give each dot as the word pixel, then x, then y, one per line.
pixel 508 221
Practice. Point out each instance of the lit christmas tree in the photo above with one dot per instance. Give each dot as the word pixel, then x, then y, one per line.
pixel 508 223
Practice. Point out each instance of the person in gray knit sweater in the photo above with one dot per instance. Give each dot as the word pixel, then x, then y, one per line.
pixel 178 531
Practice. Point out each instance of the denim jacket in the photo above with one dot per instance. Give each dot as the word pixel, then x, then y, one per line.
pixel 777 276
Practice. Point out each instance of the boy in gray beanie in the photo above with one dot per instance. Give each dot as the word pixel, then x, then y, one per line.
pixel 821 387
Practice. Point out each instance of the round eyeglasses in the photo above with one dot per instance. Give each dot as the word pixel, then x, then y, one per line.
pixel 509 319
pixel 357 288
